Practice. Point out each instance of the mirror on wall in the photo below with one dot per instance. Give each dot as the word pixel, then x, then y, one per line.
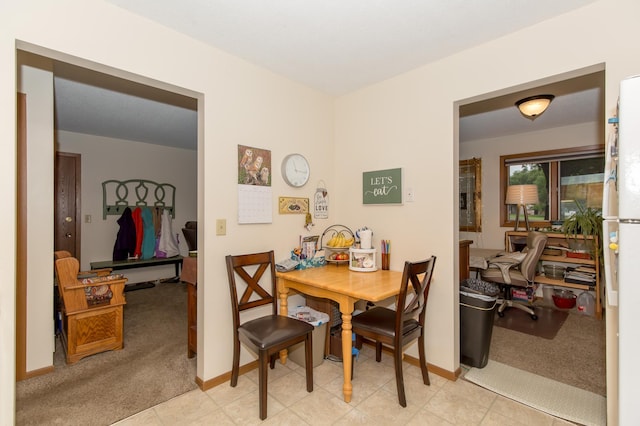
pixel 470 195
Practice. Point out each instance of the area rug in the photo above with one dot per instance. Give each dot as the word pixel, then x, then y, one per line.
pixel 546 326
pixel 554 398
pixel 139 286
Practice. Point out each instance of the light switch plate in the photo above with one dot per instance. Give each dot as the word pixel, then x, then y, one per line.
pixel 221 227
pixel 410 195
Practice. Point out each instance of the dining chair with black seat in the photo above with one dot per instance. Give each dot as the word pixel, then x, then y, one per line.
pixel 517 269
pixel 399 327
pixel 267 335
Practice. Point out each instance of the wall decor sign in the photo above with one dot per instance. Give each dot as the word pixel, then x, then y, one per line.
pixel 293 205
pixel 321 202
pixel 382 187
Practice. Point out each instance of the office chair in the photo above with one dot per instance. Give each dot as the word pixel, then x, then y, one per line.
pixel 267 335
pixel 516 270
pixel 405 324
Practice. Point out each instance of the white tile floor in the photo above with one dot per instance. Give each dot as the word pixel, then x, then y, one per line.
pixel 374 400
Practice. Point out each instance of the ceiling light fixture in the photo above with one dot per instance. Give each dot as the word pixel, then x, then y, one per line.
pixel 534 106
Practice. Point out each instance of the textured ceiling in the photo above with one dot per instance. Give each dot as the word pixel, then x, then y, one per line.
pixel 335 46
pixel 338 46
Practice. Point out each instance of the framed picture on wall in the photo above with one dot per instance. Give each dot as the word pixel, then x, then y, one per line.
pixel 470 186
pixel 382 187
pixel 293 205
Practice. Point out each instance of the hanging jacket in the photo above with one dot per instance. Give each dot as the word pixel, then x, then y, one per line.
pixel 148 234
pixel 125 245
pixel 137 221
pixel 168 241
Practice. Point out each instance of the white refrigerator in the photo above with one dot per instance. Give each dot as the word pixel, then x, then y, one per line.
pixel 621 231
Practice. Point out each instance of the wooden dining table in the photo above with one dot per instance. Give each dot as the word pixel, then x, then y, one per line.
pixel 338 283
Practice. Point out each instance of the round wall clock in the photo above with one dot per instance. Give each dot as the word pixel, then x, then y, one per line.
pixel 295 170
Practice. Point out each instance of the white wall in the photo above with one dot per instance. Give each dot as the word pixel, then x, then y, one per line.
pixel 37 84
pixel 238 103
pixel 490 150
pixel 107 158
pixel 407 122
pixel 410 122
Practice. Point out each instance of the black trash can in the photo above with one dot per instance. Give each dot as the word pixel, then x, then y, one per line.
pixel 477 312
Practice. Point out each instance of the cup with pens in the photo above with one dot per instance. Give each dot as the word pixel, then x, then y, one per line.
pixel 386 253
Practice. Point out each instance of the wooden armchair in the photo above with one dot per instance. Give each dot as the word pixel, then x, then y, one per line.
pixel 92 308
pixel 61 254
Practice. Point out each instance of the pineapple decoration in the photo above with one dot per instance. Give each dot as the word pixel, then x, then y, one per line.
pixel 308 222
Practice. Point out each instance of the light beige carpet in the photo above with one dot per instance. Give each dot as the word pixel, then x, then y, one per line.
pixel 576 356
pixel 550 396
pixel 104 388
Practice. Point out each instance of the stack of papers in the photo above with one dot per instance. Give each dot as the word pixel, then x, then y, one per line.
pixel 581 275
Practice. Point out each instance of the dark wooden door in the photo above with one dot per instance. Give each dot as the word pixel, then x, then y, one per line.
pixel 67 203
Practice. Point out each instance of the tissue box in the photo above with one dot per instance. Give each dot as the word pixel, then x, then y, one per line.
pixel 314 262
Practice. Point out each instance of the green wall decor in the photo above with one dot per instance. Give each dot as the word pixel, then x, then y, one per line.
pixel 118 195
pixel 382 187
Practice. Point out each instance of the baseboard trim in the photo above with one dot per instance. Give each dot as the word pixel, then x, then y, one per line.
pixel 36 373
pixel 449 375
pixel 226 377
pixel 212 383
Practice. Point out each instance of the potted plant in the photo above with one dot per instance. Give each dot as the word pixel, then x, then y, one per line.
pixel 586 222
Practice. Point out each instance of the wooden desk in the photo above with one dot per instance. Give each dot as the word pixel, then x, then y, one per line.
pixel 344 286
pixel 464 258
pixel 190 276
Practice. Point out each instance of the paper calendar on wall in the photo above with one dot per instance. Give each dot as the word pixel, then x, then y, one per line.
pixel 254 204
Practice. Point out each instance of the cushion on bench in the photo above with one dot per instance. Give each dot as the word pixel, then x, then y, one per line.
pixel 97 294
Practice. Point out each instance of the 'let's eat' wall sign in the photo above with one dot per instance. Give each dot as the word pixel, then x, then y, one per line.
pixel 382 187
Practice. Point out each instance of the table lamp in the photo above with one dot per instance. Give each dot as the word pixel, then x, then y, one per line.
pixel 521 195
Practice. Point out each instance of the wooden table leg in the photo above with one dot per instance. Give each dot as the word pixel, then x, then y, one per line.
pixel 347 388
pixel 284 310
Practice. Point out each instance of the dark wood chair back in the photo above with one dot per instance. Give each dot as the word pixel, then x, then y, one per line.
pixel 414 298
pixel 254 294
pixel 405 324
pixel 267 335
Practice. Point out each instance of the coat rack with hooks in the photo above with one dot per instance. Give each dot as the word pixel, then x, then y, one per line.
pixel 115 196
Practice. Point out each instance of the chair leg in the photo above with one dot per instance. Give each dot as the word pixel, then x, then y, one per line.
pixel 235 369
pixel 397 357
pixel 378 351
pixel 423 360
pixel 272 361
pixel 308 361
pixel 262 383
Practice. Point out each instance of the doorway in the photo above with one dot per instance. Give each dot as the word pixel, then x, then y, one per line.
pixel 61 200
pixel 556 129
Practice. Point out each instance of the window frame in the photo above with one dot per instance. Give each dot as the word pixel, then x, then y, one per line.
pixel 552 157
